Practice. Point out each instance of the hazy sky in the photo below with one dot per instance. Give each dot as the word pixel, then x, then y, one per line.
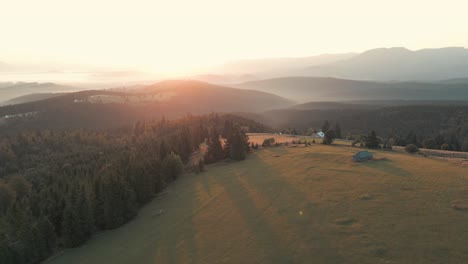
pixel 175 35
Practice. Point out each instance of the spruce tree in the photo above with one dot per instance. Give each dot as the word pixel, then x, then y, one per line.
pixel 325 126
pixel 372 141
pixel 215 149
pixel 338 130
pixel 329 137
pixel 238 143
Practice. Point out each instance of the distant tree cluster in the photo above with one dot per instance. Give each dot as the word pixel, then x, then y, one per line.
pixel 57 188
pixel 330 134
pixel 434 126
pixel 268 142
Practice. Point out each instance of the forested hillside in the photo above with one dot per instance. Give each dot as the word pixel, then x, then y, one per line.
pixel 449 124
pixel 58 188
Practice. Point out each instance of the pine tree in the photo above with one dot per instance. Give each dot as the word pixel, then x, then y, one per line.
pixel 215 149
pixel 338 130
pixel 172 167
pixel 7 198
pixel 77 218
pixel 227 129
pixel 325 126
pixel 201 165
pixel 238 143
pixel 329 136
pixel 372 141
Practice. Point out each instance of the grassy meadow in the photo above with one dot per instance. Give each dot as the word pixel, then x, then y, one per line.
pixel 298 205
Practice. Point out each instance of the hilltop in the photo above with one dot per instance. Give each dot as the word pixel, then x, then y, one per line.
pixel 298 205
pixel 114 108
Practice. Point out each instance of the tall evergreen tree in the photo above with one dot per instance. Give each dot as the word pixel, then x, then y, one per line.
pixel 238 143
pixel 215 149
pixel 372 141
pixel 325 126
pixel 172 167
pixel 329 137
pixel 338 130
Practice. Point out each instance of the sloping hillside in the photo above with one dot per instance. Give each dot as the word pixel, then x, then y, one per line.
pixel 298 205
pixel 11 90
pixel 30 98
pixel 198 96
pixel 170 99
pixel 331 89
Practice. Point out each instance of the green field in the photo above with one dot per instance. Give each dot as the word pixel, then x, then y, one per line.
pixel 298 205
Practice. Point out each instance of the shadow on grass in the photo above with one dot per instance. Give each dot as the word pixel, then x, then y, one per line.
pixel 387 166
pixel 302 240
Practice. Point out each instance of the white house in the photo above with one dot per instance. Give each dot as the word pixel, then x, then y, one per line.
pixel 321 134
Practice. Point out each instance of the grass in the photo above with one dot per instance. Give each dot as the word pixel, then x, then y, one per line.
pixel 259 137
pixel 298 205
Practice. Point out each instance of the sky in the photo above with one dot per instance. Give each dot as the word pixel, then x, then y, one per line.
pixel 183 36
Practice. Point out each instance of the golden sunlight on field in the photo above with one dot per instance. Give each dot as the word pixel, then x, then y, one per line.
pixel 298 205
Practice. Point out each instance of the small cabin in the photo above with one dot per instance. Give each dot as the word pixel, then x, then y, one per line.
pixel 318 135
pixel 363 156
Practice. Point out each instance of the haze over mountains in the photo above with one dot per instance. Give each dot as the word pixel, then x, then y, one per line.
pixel 399 64
pixel 378 74
pixel 304 89
pixel 11 90
pixel 382 64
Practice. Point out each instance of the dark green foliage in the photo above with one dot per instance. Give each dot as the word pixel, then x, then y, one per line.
pixel 430 143
pixel 329 137
pixel 201 165
pixel 215 149
pixel 338 131
pixel 268 142
pixel 78 221
pixel 445 146
pixel 238 143
pixel 172 167
pixel 372 141
pixel 411 148
pixel 7 198
pixel 20 185
pixel 465 145
pixel 58 187
pixel 325 126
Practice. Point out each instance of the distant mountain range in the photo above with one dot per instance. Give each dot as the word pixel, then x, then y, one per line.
pixel 383 64
pixel 11 90
pixel 398 64
pixel 304 89
pixel 29 98
pixel 274 67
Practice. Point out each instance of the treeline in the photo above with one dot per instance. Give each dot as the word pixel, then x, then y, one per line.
pixel 58 188
pixel 429 126
pixel 438 141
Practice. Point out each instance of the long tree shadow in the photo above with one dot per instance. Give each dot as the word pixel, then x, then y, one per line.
pixel 300 214
pixel 171 235
pixel 289 206
pixel 387 166
pixel 258 225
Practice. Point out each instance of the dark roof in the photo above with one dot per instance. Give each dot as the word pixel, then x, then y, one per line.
pixel 363 155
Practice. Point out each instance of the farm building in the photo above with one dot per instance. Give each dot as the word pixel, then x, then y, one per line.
pixel 362 156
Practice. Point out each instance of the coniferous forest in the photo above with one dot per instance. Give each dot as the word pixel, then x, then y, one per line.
pixel 59 187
